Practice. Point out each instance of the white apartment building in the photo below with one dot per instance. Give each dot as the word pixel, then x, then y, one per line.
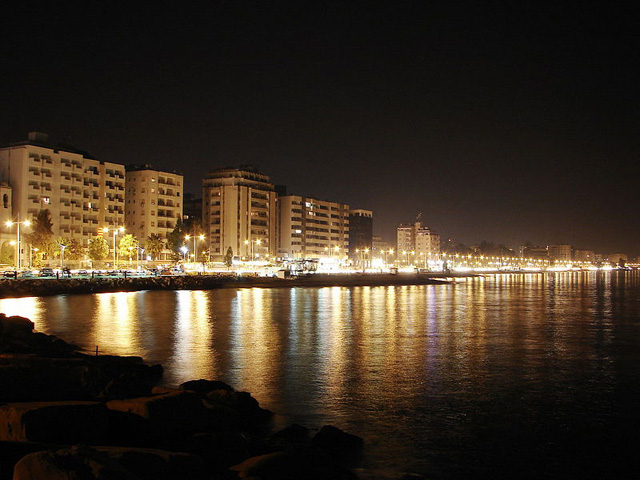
pixel 239 211
pixel 154 201
pixel 312 228
pixel 417 244
pixel 81 193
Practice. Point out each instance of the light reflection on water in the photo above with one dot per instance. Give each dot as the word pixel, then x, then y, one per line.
pixel 449 380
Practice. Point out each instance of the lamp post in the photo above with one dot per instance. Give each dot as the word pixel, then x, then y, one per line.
pixel 62 249
pixel 31 250
pixel 115 231
pixel 11 223
pixel 184 251
pixel 257 242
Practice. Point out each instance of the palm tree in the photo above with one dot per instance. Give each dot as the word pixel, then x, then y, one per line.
pixel 154 245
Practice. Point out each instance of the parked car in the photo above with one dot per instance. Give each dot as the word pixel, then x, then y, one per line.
pixel 9 274
pixel 47 272
pixel 83 273
pixel 27 274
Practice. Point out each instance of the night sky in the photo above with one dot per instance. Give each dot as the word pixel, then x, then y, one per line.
pixel 499 121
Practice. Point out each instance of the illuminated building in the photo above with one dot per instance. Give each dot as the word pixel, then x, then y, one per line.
pixel 6 214
pixel 312 228
pixel 154 201
pixel 80 192
pixel 416 241
pixel 360 232
pixel 560 253
pixel 584 256
pixel 239 211
pixel 535 253
pixel 617 258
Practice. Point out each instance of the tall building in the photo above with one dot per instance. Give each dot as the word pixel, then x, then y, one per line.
pixel 584 256
pixel 192 210
pixel 81 193
pixel 360 231
pixel 560 253
pixel 239 211
pixel 312 228
pixel 154 201
pixel 417 243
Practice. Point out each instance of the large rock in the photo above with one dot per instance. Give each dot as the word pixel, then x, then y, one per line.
pixel 12 452
pixel 205 386
pixel 343 447
pixel 243 403
pixel 153 464
pixel 219 450
pixel 15 326
pixel 172 411
pixel 75 463
pixel 26 378
pixel 54 422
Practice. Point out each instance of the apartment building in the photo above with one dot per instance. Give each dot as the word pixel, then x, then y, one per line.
pixel 417 243
pixel 81 192
pixel 239 211
pixel 312 228
pixel 560 253
pixel 154 201
pixel 360 231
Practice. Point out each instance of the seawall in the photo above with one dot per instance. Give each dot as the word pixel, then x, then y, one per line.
pixel 63 286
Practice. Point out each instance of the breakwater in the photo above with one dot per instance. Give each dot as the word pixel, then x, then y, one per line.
pixel 64 286
pixel 66 414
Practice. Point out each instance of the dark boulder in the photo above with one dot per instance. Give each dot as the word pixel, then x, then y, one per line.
pixel 15 326
pixel 73 463
pixel 205 386
pixel 343 447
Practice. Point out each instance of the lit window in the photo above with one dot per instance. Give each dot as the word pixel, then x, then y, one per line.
pixel 46 200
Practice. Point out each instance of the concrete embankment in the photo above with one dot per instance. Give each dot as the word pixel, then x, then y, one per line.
pixel 63 286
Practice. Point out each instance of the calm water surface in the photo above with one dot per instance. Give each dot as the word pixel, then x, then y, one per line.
pixel 512 376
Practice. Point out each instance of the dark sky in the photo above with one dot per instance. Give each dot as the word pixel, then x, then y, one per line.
pixel 500 121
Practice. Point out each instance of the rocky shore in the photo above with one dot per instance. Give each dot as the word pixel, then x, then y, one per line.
pixel 68 415
pixel 62 286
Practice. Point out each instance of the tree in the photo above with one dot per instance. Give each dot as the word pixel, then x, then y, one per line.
pixel 41 236
pixel 75 250
pixel 128 246
pixel 228 257
pixel 175 239
pixel 154 245
pixel 98 249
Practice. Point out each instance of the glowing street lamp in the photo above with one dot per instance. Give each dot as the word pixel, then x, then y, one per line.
pixel 252 242
pixel 115 230
pixel 9 224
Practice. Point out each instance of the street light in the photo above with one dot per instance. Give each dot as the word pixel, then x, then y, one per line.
pixel 184 251
pixel 115 230
pixel 257 242
pixel 9 224
pixel 195 251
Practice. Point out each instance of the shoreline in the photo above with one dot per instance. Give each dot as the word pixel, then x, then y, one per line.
pixel 37 287
pixel 68 414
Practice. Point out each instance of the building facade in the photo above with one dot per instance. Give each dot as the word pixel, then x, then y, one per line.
pixel 154 201
pixel 239 211
pixel 360 231
pixel 586 256
pixel 560 253
pixel 417 244
pixel 312 228
pixel 80 192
